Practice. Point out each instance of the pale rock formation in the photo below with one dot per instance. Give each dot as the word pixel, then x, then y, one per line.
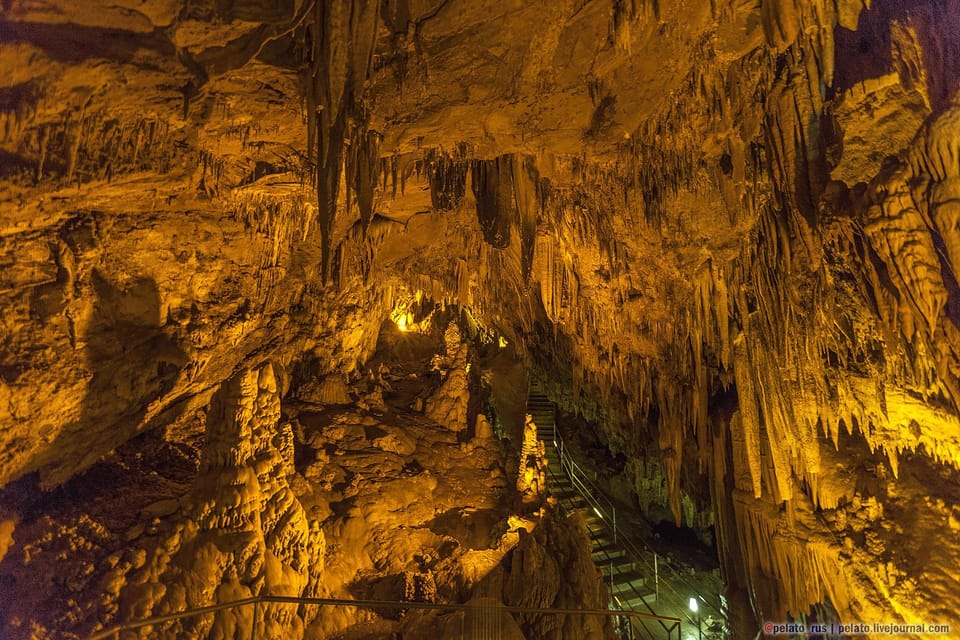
pixel 448 404
pixel 553 567
pixel 531 474
pixel 482 429
pixel 453 342
pixel 246 532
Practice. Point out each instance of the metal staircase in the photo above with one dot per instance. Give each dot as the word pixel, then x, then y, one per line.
pixel 632 571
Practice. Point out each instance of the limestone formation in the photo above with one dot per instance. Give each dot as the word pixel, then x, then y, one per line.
pixel 482 428
pixel 330 390
pixel 550 568
pixel 531 474
pixel 725 235
pixel 246 532
pixel 448 405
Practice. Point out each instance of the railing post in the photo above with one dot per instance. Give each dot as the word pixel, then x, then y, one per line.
pixel 656 575
pixel 613 508
pixel 256 620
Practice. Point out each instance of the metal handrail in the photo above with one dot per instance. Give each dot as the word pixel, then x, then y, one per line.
pixel 586 487
pixel 606 510
pixel 572 469
pixel 115 631
pixel 620 605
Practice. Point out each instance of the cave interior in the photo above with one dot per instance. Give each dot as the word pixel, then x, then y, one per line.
pixel 300 298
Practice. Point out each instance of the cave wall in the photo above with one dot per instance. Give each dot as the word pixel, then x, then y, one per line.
pixel 738 305
pixel 726 230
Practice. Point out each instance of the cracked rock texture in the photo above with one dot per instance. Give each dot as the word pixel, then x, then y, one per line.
pixel 724 234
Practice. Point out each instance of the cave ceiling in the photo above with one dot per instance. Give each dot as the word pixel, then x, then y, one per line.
pixel 728 232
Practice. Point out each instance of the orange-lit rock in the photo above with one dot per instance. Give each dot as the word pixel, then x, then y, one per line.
pixel 724 235
pixel 531 475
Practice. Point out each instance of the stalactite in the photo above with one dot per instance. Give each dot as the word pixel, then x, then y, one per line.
pixel 526 189
pixel 346 32
pixel 285 220
pixel 448 181
pixel 749 412
pixel 365 173
pixel 672 404
pixel 492 182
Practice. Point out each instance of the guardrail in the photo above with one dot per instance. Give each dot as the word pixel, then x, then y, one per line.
pixel 256 601
pixel 635 624
pixel 606 509
pixel 601 504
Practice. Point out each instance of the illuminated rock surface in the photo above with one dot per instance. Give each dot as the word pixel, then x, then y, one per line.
pixel 726 235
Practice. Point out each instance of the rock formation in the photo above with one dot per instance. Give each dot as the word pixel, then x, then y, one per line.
pixel 244 532
pixel 531 473
pixel 726 235
pixel 448 404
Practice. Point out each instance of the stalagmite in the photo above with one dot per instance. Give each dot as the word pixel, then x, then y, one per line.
pixel 531 474
pixel 246 532
pixel 448 405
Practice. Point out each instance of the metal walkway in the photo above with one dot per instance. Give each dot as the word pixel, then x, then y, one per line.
pixel 638 578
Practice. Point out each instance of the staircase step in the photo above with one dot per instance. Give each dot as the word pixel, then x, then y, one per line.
pixel 626 577
pixel 593 519
pixel 631 588
pixel 603 552
pixel 636 603
pixel 606 545
pixel 616 560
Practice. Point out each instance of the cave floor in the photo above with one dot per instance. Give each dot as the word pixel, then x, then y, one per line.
pixel 410 509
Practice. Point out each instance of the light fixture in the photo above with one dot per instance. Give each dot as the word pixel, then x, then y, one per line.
pixel 696 609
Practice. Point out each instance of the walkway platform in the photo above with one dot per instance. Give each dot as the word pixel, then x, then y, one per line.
pixel 637 578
